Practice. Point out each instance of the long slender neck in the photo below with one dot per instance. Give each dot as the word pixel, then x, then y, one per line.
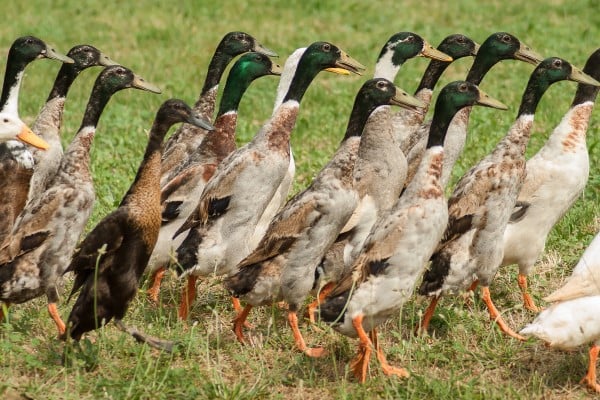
pixel 9 100
pixel 361 111
pixel 536 87
pixel 387 67
pixel 217 66
pixel 481 65
pixel 304 75
pixel 148 173
pixel 432 74
pixel 232 94
pixel 442 117
pixel 64 79
pixel 98 100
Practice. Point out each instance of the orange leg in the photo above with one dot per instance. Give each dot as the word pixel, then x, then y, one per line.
pixel 590 378
pixel 527 299
pixel 2 306
pixel 424 324
pixel 239 321
pixel 385 366
pixel 60 325
pixel 309 351
pixel 360 364
pixel 311 309
pixel 156 279
pixel 238 309
pixel 495 315
pixel 473 286
pixel 187 298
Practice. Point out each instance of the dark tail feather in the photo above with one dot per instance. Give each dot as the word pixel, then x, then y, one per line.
pixel 334 308
pixel 434 277
pixel 244 280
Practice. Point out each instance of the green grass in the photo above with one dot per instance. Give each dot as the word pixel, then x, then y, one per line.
pixel 170 45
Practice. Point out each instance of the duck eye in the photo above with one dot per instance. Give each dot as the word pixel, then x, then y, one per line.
pixel 410 38
pixel 380 84
pixel 557 63
pixel 327 47
pixel 462 87
pixel 506 39
pixel 6 120
pixel 461 39
pixel 29 41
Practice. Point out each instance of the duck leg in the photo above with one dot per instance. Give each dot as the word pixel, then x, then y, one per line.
pixel 311 309
pixel 152 341
pixel 300 343
pixel 155 281
pixel 187 297
pixel 590 378
pixel 238 309
pixel 360 363
pixel 527 299
pixel 60 325
pixel 385 366
pixel 240 321
pixel 423 325
pixel 495 314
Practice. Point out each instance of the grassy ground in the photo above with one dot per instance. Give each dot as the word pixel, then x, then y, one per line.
pixel 170 45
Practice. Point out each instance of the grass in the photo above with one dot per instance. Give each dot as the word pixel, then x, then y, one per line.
pixel 170 45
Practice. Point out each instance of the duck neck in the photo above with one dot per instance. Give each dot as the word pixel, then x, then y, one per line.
pixel 95 106
pixel 64 79
pixel 217 66
pixel 442 117
pixel 432 74
pixel 9 100
pixel 536 87
pixel 481 65
pixel 220 142
pixel 235 87
pixel 359 116
pixel 305 73
pixel 585 92
pixel 147 178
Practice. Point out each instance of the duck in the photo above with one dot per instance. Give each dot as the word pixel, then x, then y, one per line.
pixel 497 47
pixel 180 194
pixel 405 123
pixel 16 160
pixel 556 176
pixel 482 202
pixel 380 168
pixel 401 241
pixel 282 267
pixel 187 137
pixel 109 262
pixel 35 254
pixel 49 121
pixel 572 320
pixel 219 232
pixel 13 128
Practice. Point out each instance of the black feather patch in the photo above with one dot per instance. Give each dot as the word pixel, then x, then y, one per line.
pixel 217 207
pixel 457 227
pixel 331 310
pixel 378 267
pixel 186 252
pixel 33 241
pixel 170 211
pixel 243 281
pixel 519 212
pixel 434 277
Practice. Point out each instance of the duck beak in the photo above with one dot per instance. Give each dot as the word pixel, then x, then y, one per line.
pixel 476 49
pixel 105 61
pixel 276 69
pixel 54 55
pixel 345 65
pixel 578 75
pixel 27 136
pixel 488 101
pixel 430 52
pixel 200 123
pixel 405 100
pixel 140 83
pixel 525 53
pixel 259 48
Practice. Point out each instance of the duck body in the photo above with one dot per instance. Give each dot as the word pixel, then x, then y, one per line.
pixel 556 177
pixel 111 259
pixel 179 197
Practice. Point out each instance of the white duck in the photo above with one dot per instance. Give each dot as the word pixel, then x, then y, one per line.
pixel 574 320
